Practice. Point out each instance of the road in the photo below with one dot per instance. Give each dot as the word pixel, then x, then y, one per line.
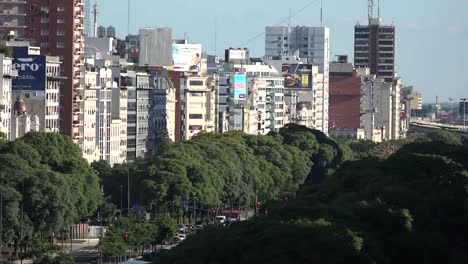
pixel 84 252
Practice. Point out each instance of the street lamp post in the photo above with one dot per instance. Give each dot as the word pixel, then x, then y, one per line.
pixel 128 191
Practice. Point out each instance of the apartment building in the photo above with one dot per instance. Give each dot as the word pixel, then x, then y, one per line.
pixel 6 72
pixel 104 130
pixel 40 99
pixel 198 95
pixel 163 107
pixel 381 109
pixel 138 90
pixel 374 48
pixel 12 17
pixel 57 27
pixel 312 45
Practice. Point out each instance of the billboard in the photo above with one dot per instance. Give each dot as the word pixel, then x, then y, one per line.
pixel 297 76
pixel 187 57
pixel 235 54
pixel 240 86
pixel 31 70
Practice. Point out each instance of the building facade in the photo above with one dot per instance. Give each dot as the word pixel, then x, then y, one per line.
pixel 155 47
pixel 12 19
pixel 381 109
pixel 198 95
pixel 43 106
pixel 162 112
pixel 374 48
pixel 6 73
pixel 312 45
pixel 57 27
pixel 345 96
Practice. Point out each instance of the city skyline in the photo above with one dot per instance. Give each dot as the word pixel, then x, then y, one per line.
pixel 424 45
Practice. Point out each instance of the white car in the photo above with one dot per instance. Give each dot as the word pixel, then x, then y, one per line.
pixel 182 236
pixel 221 219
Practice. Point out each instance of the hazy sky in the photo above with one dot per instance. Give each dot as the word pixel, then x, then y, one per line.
pixel 432 36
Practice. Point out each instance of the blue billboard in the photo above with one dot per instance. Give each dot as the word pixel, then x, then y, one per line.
pixel 31 70
pixel 240 87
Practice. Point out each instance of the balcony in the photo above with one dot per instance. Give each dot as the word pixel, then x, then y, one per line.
pixel 79 39
pixel 79 3
pixel 79 27
pixel 11 13
pixel 78 63
pixel 79 14
pixel 12 2
pixel 78 52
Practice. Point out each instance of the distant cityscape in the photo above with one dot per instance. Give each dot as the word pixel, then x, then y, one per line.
pixel 116 98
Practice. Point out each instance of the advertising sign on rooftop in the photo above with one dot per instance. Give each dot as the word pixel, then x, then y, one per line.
pixel 240 87
pixel 31 70
pixel 297 76
pixel 187 57
pixel 237 54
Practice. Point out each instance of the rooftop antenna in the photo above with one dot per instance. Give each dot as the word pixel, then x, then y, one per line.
pixel 215 35
pixel 371 8
pixel 95 11
pixel 378 9
pixel 321 13
pixel 128 18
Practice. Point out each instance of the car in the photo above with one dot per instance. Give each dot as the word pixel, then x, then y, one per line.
pixel 221 219
pixel 182 236
pixel 181 228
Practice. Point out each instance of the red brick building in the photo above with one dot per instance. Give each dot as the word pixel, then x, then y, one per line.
pixel 345 97
pixel 57 27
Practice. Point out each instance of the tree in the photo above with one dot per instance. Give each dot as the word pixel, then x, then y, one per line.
pixel 166 227
pixel 407 208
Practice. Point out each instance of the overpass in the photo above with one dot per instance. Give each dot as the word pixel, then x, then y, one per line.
pixel 424 127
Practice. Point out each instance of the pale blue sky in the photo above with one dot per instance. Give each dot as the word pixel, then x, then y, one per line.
pixel 432 36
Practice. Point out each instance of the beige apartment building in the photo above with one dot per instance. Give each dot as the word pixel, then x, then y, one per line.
pixel 199 107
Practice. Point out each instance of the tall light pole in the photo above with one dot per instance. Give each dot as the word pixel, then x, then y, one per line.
pixel 128 190
pixel 1 222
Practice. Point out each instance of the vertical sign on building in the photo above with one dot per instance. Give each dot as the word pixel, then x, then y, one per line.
pixel 240 86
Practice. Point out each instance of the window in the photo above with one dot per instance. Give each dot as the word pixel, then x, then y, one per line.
pixel 44 20
pixel 195 127
pixel 45 8
pixel 60 32
pixel 195 116
pixel 285 38
pixel 196 105
pixel 44 44
pixel 61 8
pixel 196 94
pixel 285 45
pixel 196 83
pixel 60 45
pixel 44 32
pixel 60 21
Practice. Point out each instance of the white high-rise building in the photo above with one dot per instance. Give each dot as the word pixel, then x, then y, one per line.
pixel 104 126
pixel 312 44
pixel 6 72
pixel 163 109
pixel 381 108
